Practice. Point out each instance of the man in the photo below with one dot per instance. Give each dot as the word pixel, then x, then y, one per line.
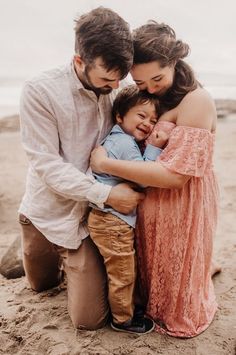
pixel 64 114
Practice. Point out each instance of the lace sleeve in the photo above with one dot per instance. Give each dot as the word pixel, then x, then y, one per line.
pixel 189 151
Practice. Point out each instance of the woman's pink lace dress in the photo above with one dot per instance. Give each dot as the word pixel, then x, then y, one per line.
pixel 174 236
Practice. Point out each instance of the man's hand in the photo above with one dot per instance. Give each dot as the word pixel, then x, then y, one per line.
pixel 123 198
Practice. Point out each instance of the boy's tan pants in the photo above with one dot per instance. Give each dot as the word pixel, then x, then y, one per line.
pixel 115 241
pixel 86 276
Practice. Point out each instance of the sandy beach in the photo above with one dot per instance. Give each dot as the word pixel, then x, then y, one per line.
pixel 32 323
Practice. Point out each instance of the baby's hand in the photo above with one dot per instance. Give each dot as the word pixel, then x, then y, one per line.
pixel 158 138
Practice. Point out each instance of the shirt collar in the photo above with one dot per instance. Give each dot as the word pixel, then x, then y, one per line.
pixel 118 129
pixel 77 84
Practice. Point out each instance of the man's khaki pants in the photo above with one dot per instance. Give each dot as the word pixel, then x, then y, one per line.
pixel 86 276
pixel 115 241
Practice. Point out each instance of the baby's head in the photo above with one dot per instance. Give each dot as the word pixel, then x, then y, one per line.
pixel 136 112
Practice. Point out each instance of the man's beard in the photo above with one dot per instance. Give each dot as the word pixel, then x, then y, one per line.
pixel 89 85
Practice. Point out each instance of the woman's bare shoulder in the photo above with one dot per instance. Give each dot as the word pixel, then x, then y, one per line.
pixel 198 94
pixel 169 116
pixel 197 109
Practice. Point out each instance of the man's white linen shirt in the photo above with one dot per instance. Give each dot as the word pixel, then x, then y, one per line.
pixel 61 122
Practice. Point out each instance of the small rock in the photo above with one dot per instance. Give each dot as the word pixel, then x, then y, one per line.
pixel 11 265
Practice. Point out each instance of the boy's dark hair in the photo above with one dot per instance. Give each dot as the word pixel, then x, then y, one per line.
pixel 129 97
pixel 103 33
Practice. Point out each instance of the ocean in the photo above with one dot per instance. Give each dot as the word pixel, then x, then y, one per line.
pixel 10 96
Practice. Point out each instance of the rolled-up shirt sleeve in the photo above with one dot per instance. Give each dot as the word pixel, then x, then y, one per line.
pixel 41 142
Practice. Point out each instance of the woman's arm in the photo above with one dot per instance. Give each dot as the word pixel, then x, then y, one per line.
pixel 196 110
pixel 144 173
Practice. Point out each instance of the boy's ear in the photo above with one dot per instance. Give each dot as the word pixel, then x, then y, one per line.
pixel 118 118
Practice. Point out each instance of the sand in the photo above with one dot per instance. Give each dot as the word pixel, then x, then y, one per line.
pixel 32 323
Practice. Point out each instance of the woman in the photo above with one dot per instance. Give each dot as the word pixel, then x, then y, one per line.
pixel 177 219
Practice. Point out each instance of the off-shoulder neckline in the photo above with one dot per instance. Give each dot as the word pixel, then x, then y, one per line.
pixel 188 127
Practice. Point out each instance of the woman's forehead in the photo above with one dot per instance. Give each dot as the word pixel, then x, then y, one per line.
pixel 147 70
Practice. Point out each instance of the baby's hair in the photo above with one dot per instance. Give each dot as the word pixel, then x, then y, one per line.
pixel 131 96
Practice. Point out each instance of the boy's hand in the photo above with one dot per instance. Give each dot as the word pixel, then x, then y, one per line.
pixel 158 138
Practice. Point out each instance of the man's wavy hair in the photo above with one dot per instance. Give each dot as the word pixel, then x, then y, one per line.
pixel 103 33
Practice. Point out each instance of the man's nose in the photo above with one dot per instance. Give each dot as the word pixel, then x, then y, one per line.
pixel 115 84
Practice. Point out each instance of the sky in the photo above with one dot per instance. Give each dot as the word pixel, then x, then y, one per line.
pixel 38 35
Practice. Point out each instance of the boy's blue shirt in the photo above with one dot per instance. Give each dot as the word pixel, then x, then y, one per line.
pixel 122 146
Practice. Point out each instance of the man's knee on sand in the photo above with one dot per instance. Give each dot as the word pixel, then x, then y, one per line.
pixel 89 318
pixel 40 284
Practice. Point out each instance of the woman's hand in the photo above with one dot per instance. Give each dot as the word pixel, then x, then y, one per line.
pixel 98 157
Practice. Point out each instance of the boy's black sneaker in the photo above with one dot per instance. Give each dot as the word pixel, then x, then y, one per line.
pixel 136 325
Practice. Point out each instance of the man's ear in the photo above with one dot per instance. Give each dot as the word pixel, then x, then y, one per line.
pixel 80 65
pixel 118 118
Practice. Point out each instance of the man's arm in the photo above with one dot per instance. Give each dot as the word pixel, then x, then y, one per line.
pixel 40 138
pixel 41 142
